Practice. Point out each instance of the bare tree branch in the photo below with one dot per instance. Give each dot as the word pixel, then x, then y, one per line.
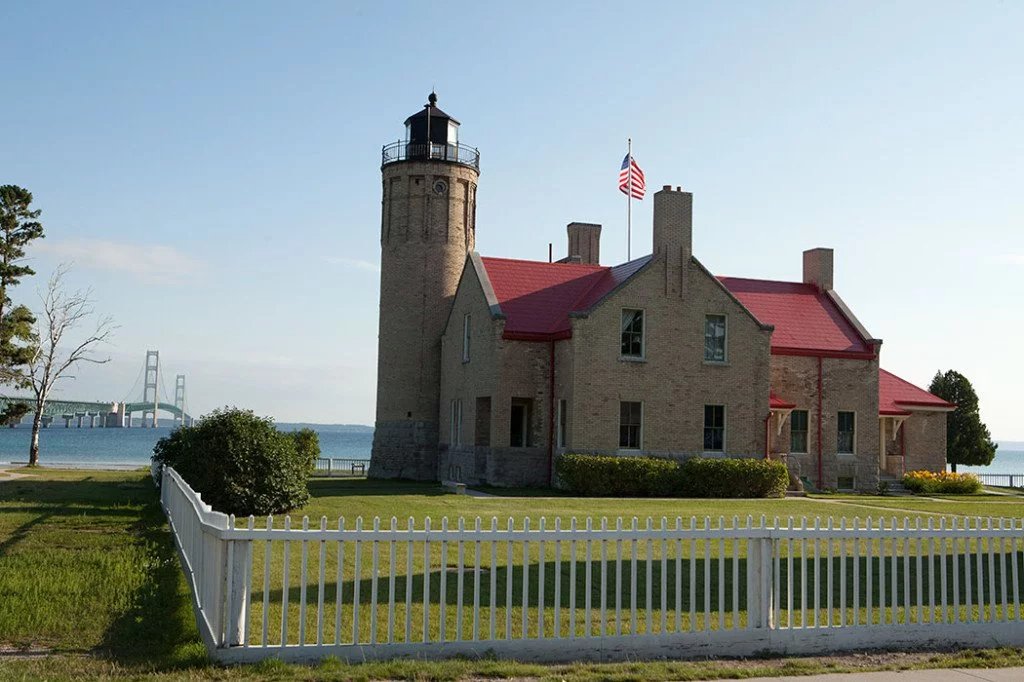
pixel 62 312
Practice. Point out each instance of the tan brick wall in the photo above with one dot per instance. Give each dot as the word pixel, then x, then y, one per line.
pixel 674 382
pixel 925 441
pixel 847 385
pixel 426 232
pixel 502 370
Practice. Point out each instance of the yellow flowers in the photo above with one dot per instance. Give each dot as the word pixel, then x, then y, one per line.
pixel 941 482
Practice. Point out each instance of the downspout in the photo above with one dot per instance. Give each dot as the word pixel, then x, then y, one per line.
pixel 767 435
pixel 551 414
pixel 821 475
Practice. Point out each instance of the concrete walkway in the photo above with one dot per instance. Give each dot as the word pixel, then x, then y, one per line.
pixel 940 675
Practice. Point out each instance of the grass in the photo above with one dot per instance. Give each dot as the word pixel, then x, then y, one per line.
pixel 88 572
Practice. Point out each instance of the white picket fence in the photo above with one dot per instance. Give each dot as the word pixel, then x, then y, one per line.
pixel 593 590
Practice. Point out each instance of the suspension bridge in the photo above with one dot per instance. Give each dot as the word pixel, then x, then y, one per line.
pixel 132 411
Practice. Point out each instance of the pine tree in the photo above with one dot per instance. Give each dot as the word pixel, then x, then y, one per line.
pixel 968 440
pixel 19 225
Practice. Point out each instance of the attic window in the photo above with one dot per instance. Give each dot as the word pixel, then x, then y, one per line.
pixel 714 338
pixel 632 334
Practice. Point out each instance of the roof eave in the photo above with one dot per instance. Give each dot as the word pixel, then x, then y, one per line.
pixel 486 286
pixel 816 353
pixel 721 285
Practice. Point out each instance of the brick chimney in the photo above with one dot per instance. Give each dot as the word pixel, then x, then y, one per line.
pixel 673 234
pixel 818 268
pixel 584 243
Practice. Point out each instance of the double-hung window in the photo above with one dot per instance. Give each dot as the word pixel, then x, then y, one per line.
pixel 798 431
pixel 714 338
pixel 714 428
pixel 631 416
pixel 455 434
pixel 847 425
pixel 632 333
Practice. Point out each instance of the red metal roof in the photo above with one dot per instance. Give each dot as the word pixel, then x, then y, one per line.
pixel 537 297
pixel 806 320
pixel 895 395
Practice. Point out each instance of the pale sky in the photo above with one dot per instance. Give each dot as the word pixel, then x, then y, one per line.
pixel 213 168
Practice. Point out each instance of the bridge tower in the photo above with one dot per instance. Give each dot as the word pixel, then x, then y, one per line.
pixel 427 230
pixel 151 391
pixel 179 399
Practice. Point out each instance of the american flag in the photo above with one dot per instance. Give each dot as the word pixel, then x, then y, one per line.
pixel 631 178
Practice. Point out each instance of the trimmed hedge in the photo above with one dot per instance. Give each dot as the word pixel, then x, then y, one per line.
pixel 745 477
pixel 606 476
pixel 609 476
pixel 240 463
pixel 946 482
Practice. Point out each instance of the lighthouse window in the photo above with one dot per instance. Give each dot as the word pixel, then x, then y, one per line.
pixel 453 133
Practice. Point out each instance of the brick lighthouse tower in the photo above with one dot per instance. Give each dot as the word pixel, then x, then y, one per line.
pixel 428 225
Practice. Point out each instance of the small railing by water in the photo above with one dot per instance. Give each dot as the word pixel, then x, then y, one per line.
pixel 340 466
pixel 1002 480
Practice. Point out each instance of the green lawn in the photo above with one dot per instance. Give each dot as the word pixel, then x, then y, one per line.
pixel 87 570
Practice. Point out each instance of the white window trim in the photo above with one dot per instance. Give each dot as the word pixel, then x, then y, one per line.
pixel 808 431
pixel 466 331
pixel 643 336
pixel 455 423
pixel 640 447
pixel 725 431
pixel 705 331
pixel 855 430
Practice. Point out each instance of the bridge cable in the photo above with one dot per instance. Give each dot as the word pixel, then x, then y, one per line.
pixel 131 391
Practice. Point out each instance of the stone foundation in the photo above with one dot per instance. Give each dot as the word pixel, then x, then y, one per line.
pixel 404 449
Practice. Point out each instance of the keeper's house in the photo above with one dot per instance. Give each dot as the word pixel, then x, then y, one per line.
pixel 489 368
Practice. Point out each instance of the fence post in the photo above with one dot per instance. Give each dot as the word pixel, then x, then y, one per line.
pixel 759 582
pixel 238 560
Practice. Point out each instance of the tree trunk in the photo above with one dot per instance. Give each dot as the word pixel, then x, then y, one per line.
pixel 33 449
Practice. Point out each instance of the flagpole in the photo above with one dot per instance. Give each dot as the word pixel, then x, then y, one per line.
pixel 629 199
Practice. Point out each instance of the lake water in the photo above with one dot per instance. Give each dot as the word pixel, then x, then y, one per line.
pixel 133 447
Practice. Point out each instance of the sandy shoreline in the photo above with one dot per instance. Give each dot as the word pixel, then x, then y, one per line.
pixel 101 466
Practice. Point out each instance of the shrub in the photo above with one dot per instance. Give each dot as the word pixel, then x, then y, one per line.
pixel 240 463
pixel 606 476
pixel 947 482
pixel 744 477
pixel 307 446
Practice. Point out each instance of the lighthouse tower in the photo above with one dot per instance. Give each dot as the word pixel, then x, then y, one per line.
pixel 428 224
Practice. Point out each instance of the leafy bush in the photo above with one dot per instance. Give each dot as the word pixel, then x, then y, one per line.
pixel 240 463
pixel 307 446
pixel 946 482
pixel 745 477
pixel 607 476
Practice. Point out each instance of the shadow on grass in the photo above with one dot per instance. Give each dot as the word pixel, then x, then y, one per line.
pixel 695 589
pixel 158 629
pixel 337 487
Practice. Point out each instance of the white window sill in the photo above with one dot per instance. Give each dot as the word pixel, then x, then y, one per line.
pixel 846 454
pixel 717 363
pixel 630 358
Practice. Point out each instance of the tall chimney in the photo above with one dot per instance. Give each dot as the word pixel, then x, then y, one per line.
pixel 818 268
pixel 584 243
pixel 673 235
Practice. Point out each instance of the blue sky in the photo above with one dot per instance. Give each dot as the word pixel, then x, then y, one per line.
pixel 213 168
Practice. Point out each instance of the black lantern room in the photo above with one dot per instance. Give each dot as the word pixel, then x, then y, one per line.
pixel 430 124
pixel 431 134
